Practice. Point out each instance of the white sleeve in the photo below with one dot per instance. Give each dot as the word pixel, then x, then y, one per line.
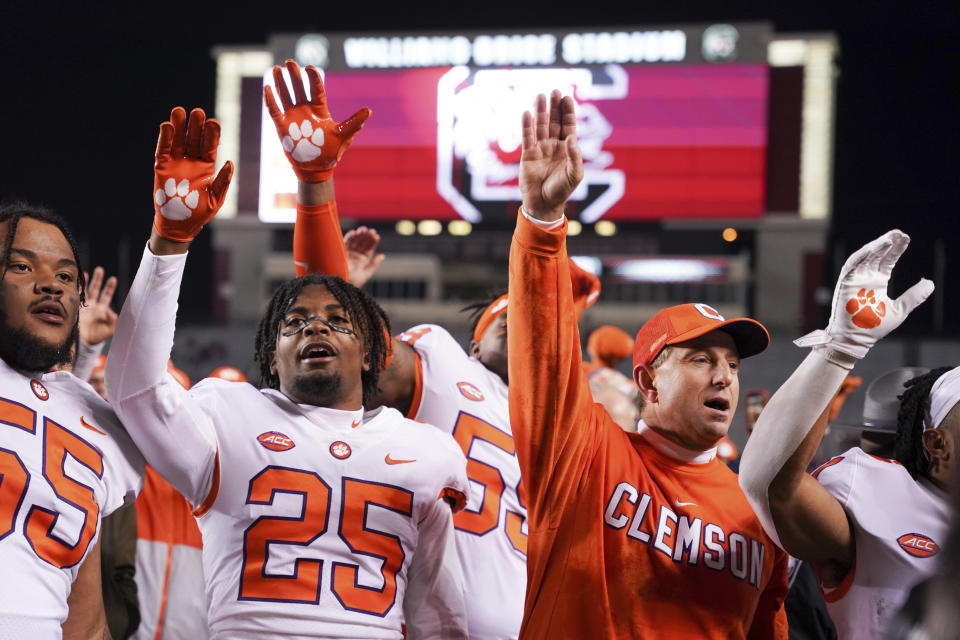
pixel 433 605
pixel 86 359
pixel 785 422
pixel 175 435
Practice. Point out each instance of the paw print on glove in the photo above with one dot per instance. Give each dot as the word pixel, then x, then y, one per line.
pixel 303 142
pixel 866 312
pixel 176 201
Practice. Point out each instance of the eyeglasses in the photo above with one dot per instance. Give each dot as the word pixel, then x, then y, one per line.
pixel 293 326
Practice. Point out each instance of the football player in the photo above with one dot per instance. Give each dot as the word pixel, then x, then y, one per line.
pixel 319 519
pixel 431 378
pixel 65 460
pixel 867 557
pixel 631 534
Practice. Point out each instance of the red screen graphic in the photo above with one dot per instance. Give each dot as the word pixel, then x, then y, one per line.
pixel 660 141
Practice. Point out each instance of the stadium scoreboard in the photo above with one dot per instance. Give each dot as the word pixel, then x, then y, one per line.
pixel 674 122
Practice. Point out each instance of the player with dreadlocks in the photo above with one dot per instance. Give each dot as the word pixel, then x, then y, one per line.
pixel 50 511
pixel 430 377
pixel 370 319
pixel 871 527
pixel 927 435
pixel 319 519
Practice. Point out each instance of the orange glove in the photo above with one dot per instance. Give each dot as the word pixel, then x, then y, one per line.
pixel 185 193
pixel 312 140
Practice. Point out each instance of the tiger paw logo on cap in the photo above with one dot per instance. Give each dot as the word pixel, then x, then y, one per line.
pixel 865 310
pixel 918 545
pixel 469 391
pixel 39 390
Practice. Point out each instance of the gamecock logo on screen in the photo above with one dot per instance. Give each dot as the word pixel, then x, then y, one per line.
pixel 918 545
pixel 275 441
pixel 478 135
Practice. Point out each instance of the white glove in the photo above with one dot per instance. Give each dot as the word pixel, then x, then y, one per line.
pixel 861 312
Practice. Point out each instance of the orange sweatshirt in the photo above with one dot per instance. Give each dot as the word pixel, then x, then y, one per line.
pixel 624 540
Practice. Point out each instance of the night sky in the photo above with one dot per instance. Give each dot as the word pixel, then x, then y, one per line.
pixel 86 88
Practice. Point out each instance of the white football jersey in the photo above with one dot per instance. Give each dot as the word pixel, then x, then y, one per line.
pixel 461 396
pixel 899 525
pixel 323 523
pixel 65 461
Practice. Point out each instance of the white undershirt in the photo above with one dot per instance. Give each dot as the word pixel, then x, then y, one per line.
pixel 672 449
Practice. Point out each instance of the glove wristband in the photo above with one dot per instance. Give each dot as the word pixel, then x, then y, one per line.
pixel 308 175
pixel 821 338
pixel 838 358
pixel 176 235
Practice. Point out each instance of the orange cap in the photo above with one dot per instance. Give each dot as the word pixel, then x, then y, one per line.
pixel 496 307
pixel 226 372
pixel 178 375
pixel 727 449
pixel 101 363
pixel 608 345
pixel 692 320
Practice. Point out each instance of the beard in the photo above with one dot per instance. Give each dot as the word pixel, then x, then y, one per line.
pixel 24 351
pixel 318 387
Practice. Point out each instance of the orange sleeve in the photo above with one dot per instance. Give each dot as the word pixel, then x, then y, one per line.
pixel 318 241
pixel 770 618
pixel 549 397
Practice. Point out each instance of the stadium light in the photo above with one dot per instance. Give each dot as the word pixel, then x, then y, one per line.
pixel 406 227
pixel 459 228
pixel 429 227
pixel 605 228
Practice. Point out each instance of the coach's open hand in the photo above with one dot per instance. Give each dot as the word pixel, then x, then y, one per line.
pixel 551 166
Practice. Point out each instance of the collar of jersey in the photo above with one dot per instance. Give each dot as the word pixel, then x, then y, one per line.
pixel 322 416
pixel 672 449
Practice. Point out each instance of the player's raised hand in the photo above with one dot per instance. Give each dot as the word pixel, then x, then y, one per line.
pixel 185 193
pixel 551 166
pixel 313 141
pixel 862 313
pixel 362 257
pixel 98 321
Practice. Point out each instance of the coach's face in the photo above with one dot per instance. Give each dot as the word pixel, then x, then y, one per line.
pixel 318 364
pixel 40 296
pixel 692 396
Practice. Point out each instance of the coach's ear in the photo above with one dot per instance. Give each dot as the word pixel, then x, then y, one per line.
pixel 644 377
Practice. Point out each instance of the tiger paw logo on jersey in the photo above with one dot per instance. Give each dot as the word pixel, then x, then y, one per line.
pixel 866 312
pixel 39 390
pixel 275 441
pixel 918 545
pixel 469 391
pixel 340 450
